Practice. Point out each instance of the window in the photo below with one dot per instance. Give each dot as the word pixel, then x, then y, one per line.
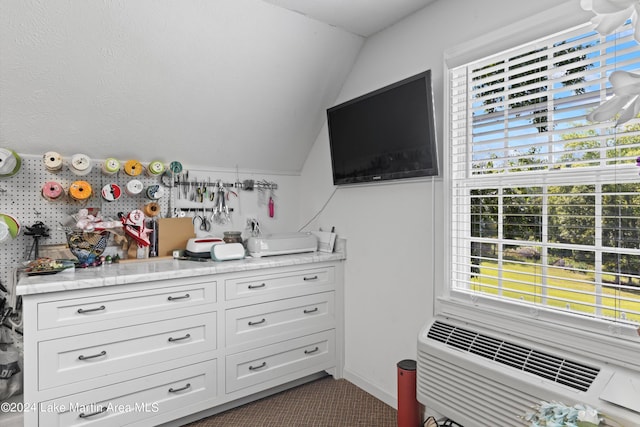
pixel 545 205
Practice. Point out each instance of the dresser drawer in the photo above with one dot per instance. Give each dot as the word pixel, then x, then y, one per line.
pixel 81 357
pixel 160 396
pixel 278 284
pixel 277 360
pixel 284 317
pixel 75 311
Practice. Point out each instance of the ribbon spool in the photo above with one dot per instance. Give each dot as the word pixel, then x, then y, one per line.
pixel 151 209
pixel 80 164
pixel 111 192
pixel 80 190
pixel 155 192
pixel 175 167
pixel 134 187
pixel 9 228
pixel 52 190
pixel 10 162
pixel 52 161
pixel 133 167
pixel 155 168
pixel 110 166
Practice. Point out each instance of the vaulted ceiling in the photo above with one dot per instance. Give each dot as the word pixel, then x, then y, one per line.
pixel 224 83
pixel 361 17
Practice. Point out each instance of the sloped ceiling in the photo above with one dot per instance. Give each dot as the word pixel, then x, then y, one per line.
pixel 362 17
pixel 211 83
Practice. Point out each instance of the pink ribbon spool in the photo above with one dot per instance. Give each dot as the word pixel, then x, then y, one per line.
pixel 52 190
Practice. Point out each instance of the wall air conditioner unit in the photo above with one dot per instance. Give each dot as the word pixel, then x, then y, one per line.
pixel 481 378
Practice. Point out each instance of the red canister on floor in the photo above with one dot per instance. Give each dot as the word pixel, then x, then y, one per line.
pixel 408 407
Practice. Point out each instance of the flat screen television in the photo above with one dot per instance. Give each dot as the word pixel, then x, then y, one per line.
pixel 387 134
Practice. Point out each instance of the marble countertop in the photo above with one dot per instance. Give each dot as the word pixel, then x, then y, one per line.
pixel 148 270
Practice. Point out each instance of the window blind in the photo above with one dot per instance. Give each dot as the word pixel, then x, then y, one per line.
pixel 545 204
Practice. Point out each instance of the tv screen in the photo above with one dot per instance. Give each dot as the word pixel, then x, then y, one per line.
pixel 387 134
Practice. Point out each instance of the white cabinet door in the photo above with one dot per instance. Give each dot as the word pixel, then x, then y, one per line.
pixel 283 318
pixel 273 361
pixel 131 401
pixel 75 311
pixel 82 357
pixel 290 283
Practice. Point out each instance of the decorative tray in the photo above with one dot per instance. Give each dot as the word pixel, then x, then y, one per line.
pixel 44 266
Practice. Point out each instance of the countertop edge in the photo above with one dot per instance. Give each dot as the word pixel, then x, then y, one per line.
pixel 128 273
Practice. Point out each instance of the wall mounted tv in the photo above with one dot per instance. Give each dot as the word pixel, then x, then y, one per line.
pixel 387 134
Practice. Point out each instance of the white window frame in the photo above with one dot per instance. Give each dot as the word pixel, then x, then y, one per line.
pixel 591 337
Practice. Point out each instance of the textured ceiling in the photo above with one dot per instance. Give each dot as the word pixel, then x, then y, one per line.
pixel 225 83
pixel 362 17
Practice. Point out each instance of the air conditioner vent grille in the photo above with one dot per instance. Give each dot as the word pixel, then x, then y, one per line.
pixel 554 368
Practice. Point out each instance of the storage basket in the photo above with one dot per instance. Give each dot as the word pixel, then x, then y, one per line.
pixel 87 246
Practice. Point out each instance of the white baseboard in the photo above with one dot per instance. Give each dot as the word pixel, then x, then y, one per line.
pixel 370 388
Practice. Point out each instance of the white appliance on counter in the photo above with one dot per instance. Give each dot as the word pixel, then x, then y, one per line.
pixel 281 244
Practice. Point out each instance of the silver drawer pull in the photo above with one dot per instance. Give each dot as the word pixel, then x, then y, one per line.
pixel 102 353
pixel 90 310
pixel 185 296
pixel 102 410
pixel 260 366
pixel 261 285
pixel 259 322
pixel 176 390
pixel 311 351
pixel 172 339
pixel 311 277
pixel 312 310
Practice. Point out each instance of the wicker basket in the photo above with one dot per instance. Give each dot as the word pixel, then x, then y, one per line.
pixel 87 246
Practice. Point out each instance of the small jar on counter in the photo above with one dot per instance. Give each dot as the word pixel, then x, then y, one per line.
pixel 232 237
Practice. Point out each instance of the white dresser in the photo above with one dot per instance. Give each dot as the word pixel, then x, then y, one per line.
pixel 154 342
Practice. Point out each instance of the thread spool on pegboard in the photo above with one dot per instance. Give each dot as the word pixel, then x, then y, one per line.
pixel 151 209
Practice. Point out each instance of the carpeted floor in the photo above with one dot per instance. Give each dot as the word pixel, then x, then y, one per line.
pixel 322 403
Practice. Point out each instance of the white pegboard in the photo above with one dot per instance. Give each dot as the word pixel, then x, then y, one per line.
pixel 21 197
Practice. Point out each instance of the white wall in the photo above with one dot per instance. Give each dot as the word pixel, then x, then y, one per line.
pixel 395 247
